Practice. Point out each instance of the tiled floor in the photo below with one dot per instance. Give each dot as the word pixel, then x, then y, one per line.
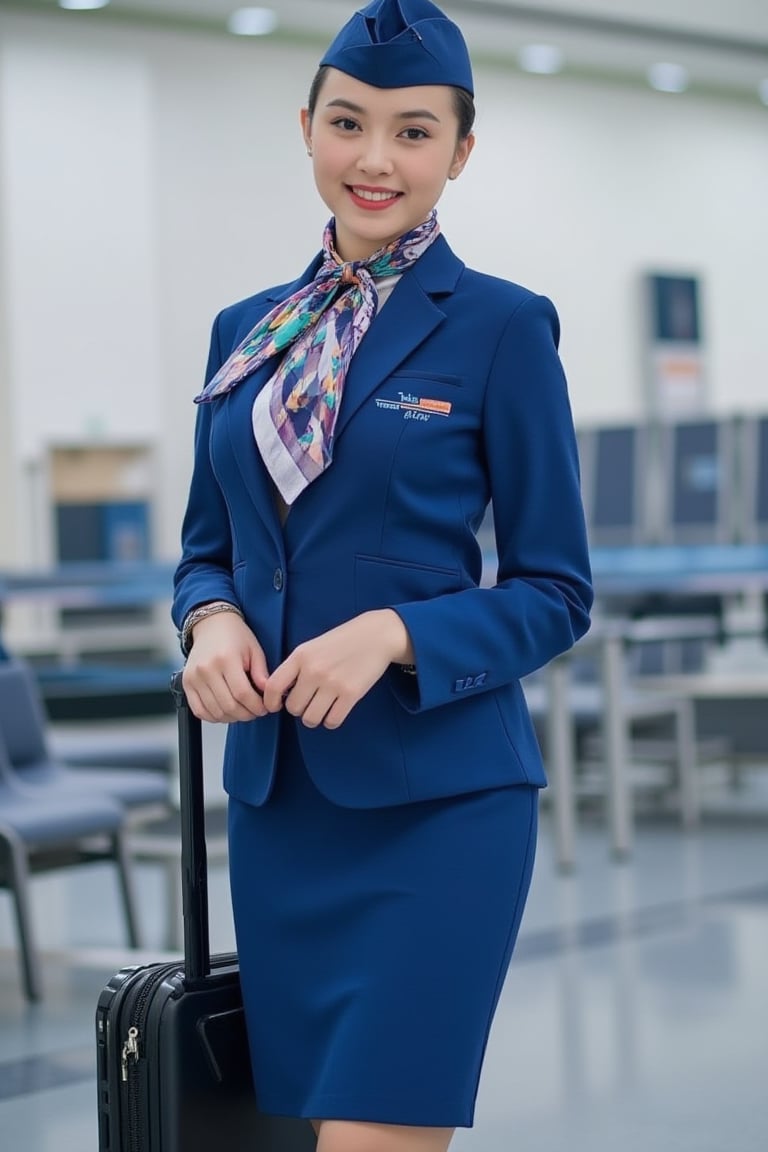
pixel 634 1017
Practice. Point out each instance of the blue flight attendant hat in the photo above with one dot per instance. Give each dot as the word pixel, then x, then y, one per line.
pixel 402 43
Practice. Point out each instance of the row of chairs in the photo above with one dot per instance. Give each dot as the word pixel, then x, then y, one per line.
pixel 701 481
pixel 55 816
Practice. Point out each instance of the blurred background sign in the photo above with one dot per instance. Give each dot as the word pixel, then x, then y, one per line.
pixel 677 384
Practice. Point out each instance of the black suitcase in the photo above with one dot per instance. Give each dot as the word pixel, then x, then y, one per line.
pixel 172 1054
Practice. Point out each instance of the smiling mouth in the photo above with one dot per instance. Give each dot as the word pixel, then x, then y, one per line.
pixel 374 196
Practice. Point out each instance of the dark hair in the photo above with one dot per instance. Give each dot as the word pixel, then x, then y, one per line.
pixel 463 103
pixel 464 106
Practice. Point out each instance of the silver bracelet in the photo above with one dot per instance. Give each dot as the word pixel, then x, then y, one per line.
pixel 197 614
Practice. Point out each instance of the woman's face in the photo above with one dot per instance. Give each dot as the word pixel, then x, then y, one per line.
pixel 381 157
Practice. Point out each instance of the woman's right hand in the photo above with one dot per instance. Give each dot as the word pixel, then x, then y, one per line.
pixel 226 671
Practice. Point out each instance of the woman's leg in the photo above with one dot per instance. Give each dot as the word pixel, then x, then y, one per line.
pixel 356 1136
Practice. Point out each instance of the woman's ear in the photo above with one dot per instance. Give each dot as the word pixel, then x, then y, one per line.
pixel 462 154
pixel 306 129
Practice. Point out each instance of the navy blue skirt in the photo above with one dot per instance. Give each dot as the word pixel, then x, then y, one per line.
pixel 374 943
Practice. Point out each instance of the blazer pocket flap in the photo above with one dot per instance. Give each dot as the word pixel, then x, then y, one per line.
pixel 380 582
pixel 414 376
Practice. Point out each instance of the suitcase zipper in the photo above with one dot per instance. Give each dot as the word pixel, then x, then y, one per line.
pixel 131 1054
pixel 131 1045
pixel 130 1048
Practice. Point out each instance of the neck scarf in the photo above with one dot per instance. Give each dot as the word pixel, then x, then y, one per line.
pixel 321 326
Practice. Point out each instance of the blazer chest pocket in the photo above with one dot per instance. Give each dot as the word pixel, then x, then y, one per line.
pixel 422 394
pixel 380 582
pixel 425 379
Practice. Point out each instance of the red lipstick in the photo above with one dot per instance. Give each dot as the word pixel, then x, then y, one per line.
pixel 373 205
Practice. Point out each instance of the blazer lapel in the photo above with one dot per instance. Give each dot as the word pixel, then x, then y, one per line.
pixel 237 412
pixel 238 405
pixel 406 320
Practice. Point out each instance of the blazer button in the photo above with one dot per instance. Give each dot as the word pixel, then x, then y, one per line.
pixel 277 580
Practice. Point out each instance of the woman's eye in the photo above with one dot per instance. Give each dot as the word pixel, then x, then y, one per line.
pixel 345 123
pixel 415 134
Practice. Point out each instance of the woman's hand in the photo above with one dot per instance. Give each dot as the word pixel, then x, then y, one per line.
pixel 323 679
pixel 226 671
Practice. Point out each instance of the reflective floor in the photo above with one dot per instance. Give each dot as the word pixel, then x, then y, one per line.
pixel 634 1016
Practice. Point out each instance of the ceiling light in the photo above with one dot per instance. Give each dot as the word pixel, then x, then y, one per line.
pixel 545 59
pixel 252 22
pixel 82 5
pixel 668 77
pixel 763 89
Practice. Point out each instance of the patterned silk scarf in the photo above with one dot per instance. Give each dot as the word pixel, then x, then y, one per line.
pixel 321 326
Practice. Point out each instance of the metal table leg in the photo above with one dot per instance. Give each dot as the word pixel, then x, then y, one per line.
pixel 685 734
pixel 616 744
pixel 561 763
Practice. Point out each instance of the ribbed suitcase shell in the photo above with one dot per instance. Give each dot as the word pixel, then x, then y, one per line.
pixel 172 1054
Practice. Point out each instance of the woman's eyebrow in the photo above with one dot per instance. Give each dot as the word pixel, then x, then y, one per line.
pixel 415 114
pixel 418 114
pixel 347 104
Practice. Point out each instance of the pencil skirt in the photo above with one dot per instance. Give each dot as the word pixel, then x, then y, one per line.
pixel 373 944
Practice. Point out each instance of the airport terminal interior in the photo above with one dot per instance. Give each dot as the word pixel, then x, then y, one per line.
pixel 150 157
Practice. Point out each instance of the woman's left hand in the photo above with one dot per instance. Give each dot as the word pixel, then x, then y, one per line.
pixel 323 679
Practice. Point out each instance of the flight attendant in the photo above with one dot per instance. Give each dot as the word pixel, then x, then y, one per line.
pixel 381 765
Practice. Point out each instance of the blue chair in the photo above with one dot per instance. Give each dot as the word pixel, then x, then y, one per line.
pixel 41 830
pixel 753 457
pixel 3 651
pixel 615 467
pixel 23 729
pixel 697 482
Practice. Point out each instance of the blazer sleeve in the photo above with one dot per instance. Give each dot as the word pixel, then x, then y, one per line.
pixel 479 639
pixel 204 572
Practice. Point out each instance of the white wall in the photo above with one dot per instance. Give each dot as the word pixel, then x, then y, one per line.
pixel 80 278
pixel 149 178
pixel 736 18
pixel 7 463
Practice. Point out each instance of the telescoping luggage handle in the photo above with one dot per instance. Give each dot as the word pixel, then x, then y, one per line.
pixel 194 858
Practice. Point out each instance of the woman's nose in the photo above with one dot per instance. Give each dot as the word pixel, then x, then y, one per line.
pixel 374 157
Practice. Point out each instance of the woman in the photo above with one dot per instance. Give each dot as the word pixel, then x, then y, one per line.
pixel 381 765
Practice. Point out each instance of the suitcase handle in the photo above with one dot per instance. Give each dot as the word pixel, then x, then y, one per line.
pixel 194 858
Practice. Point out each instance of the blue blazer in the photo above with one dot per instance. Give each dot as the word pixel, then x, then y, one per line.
pixel 456 396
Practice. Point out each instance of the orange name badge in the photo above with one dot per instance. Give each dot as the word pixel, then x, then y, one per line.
pixel 442 407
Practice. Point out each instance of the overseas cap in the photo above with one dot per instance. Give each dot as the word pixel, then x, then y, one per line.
pixel 400 44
